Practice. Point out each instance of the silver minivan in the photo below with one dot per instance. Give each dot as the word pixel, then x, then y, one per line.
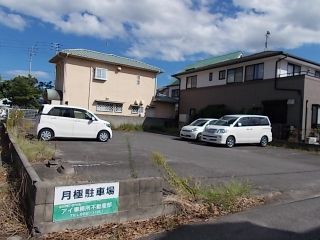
pixel 233 129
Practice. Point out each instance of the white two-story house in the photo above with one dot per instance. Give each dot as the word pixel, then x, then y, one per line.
pixel 283 86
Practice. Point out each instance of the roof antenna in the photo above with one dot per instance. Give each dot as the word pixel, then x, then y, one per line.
pixel 107 45
pixel 266 42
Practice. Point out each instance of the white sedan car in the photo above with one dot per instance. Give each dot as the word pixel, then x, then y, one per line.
pixel 195 129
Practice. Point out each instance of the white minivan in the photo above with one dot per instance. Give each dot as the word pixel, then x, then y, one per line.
pixel 70 122
pixel 233 129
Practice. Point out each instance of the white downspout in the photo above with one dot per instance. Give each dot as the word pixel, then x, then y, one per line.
pixel 89 93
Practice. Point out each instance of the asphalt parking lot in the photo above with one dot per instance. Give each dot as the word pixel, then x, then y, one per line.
pixel 269 169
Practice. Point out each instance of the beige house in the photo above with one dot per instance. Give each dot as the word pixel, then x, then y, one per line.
pixel 106 84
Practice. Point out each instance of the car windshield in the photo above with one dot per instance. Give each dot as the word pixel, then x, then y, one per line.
pixel 198 122
pixel 226 121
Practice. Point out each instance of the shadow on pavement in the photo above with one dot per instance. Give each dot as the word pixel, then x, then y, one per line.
pixel 234 231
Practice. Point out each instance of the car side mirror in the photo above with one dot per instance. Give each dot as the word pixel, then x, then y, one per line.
pixel 93 118
pixel 239 124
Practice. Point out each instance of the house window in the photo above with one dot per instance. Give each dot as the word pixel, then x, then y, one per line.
pixel 222 74
pixel 109 107
pixel 315 116
pixel 254 72
pixel 138 80
pixel 210 77
pixel 192 81
pixel 105 107
pixel 235 75
pixel 135 109
pixel 175 93
pixel 100 74
pixel 293 69
pixel 317 74
pixel 117 108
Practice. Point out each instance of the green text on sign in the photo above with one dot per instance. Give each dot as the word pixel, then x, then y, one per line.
pixel 85 209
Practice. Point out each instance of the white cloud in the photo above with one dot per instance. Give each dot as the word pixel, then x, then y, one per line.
pixel 12 20
pixel 40 75
pixel 179 29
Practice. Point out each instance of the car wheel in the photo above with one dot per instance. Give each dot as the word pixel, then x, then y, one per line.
pixel 264 141
pixel 103 136
pixel 230 142
pixel 46 134
pixel 199 137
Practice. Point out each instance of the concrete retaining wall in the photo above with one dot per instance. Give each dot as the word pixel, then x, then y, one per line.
pixel 138 198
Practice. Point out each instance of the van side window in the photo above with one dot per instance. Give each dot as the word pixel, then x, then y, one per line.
pixel 212 122
pixel 54 112
pixel 245 121
pixel 61 112
pixel 82 114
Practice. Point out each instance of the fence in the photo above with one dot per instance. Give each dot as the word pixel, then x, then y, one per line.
pixel 27 113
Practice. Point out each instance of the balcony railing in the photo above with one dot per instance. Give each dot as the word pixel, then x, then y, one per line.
pixel 307 73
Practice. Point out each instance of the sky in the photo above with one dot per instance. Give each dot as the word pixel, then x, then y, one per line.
pixel 169 34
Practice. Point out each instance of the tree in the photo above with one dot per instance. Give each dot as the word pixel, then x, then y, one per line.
pixel 22 91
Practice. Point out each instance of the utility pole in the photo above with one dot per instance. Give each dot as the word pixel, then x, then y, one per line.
pixel 266 42
pixel 56 46
pixel 32 52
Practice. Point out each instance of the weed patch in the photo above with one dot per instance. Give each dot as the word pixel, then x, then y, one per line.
pixel 11 219
pixel 223 196
pixel 129 127
pixel 35 151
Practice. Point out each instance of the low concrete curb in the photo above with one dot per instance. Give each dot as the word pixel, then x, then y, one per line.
pixel 139 199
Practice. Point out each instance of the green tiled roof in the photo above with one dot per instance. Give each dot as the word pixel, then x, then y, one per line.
pixel 111 58
pixel 174 81
pixel 214 60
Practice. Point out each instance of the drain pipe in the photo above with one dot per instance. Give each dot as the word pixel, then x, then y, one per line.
pixel 290 90
pixel 179 100
pixel 305 119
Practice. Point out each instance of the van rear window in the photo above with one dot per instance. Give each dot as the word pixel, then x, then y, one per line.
pixel 40 110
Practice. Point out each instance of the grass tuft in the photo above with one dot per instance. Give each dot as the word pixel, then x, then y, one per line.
pixel 224 195
pixel 181 185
